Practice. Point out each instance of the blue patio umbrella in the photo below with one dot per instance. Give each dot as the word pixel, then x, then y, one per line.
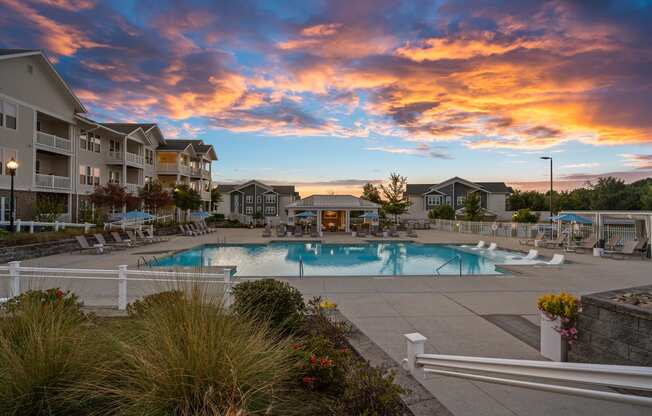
pixel 306 214
pixel 199 214
pixel 369 216
pixel 572 218
pixel 135 215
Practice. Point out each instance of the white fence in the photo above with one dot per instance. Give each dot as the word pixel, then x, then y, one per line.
pixel 19 224
pixel 537 375
pixel 53 141
pixel 101 280
pixel 529 231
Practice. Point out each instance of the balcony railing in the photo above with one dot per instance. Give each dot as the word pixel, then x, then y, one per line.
pixel 52 181
pixel 52 141
pixel 115 156
pixel 205 174
pixel 133 188
pixel 195 171
pixel 205 195
pixel 135 158
pixel 173 168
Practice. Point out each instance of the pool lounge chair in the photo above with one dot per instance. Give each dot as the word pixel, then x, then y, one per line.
pixel 267 232
pixel 393 232
pixel 531 255
pixel 134 237
pixel 492 247
pixel 587 244
pixel 411 233
pixel 196 229
pixel 314 233
pixel 629 248
pixel 559 242
pixel 481 244
pixel 118 239
pixel 280 230
pixel 612 242
pixel 362 233
pixel 207 228
pixel 85 247
pixel 203 228
pixel 557 260
pixel 185 231
pixel 530 241
pixel 118 246
pixel 149 235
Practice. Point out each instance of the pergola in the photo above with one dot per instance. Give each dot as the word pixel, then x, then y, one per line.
pixel 331 210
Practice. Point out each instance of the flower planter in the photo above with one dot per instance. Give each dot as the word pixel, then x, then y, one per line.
pixel 552 345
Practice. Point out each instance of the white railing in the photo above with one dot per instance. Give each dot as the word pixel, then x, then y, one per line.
pixel 173 168
pixel 133 187
pixel 57 225
pixel 136 223
pixel 53 141
pixel 114 156
pixel 205 195
pixel 18 274
pixel 52 181
pixel 135 158
pixel 537 375
pixel 195 171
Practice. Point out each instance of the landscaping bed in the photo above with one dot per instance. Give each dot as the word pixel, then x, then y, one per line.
pixel 183 353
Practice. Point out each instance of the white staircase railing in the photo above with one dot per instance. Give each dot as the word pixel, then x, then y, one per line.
pixel 537 375
pixel 20 276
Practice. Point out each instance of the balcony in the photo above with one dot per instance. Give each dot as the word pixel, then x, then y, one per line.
pixel 52 181
pixel 133 188
pixel 172 168
pixel 53 142
pixel 114 157
pixel 205 195
pixel 135 158
pixel 195 172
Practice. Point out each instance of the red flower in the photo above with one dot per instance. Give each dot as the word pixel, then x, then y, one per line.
pixel 59 293
pixel 296 346
pixel 309 381
pixel 325 362
pixel 313 359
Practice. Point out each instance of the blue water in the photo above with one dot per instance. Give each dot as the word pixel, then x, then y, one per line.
pixel 367 259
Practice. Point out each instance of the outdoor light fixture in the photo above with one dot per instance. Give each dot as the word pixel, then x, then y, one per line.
pixel 550 159
pixel 12 165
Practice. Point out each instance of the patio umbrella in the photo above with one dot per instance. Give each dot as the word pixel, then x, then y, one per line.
pixel 572 218
pixel 306 214
pixel 135 215
pixel 369 216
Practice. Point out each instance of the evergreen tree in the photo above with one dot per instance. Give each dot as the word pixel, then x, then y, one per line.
pixel 395 196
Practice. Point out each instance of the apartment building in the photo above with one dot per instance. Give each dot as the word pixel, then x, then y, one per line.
pixel 454 191
pixel 64 155
pixel 241 202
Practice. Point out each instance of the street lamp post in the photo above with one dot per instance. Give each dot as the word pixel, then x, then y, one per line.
pixel 12 165
pixel 550 159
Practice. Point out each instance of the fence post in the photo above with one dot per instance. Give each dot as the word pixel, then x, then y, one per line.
pixel 14 289
pixel 18 224
pixel 122 287
pixel 227 287
pixel 56 226
pixel 31 227
pixel 415 345
pixel 87 228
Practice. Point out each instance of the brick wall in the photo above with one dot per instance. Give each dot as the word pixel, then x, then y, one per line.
pixel 613 333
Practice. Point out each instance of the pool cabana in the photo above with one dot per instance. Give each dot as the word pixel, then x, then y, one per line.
pixel 332 213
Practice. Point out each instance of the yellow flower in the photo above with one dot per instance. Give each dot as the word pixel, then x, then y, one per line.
pixel 327 304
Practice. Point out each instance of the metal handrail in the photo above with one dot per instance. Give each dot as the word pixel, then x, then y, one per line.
pixel 537 375
pixel 457 256
pixel 300 267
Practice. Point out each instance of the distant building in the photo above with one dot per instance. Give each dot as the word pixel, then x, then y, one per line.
pixel 242 202
pixel 454 191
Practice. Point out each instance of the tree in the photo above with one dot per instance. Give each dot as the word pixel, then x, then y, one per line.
pixel 186 198
pixel 396 201
pixel 155 197
pixel 216 198
pixel 525 215
pixel 113 196
pixel 612 193
pixel 472 208
pixel 48 208
pixel 646 198
pixel 442 212
pixel 370 193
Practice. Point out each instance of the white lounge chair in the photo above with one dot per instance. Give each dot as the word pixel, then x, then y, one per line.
pixel 479 246
pixel 557 260
pixel 492 247
pixel 531 255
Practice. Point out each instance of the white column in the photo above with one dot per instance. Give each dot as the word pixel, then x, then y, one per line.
pixel 14 289
pixel 415 346
pixel 347 220
pixel 319 221
pixel 122 287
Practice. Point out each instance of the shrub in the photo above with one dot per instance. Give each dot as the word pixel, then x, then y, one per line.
pixel 271 301
pixel 141 306
pixel 188 356
pixel 370 391
pixel 54 296
pixel 525 215
pixel 45 355
pixel 216 217
pixel 442 212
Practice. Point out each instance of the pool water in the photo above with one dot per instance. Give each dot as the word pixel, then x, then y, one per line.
pixel 366 259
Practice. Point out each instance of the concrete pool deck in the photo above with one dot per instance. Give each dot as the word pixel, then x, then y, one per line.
pixel 452 312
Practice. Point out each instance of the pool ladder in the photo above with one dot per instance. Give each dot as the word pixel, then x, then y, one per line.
pixel 145 262
pixel 300 267
pixel 456 257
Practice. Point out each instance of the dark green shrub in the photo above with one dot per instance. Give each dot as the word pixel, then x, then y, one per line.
pixel 370 391
pixel 272 301
pixel 140 306
pixel 53 296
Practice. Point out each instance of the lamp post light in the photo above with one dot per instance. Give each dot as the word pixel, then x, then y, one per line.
pixel 12 165
pixel 550 159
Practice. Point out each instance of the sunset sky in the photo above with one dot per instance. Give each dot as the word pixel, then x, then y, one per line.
pixel 331 94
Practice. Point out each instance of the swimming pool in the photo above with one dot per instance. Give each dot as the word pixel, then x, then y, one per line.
pixel 320 259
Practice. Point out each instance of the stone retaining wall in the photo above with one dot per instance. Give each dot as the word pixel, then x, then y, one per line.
pixel 30 251
pixel 612 332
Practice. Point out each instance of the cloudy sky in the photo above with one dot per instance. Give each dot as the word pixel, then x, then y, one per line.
pixel 330 94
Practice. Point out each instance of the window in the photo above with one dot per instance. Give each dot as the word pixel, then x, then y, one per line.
pixel 83 140
pixel 249 210
pixel 96 176
pixel 89 175
pixel 259 199
pixel 8 114
pixel 259 209
pixel 89 142
pixel 114 176
pixel 461 200
pixel 270 198
pixel 270 210
pixel 249 199
pixel 96 144
pixel 114 146
pixel 433 200
pixel 149 157
pixel 448 200
pixel 5 208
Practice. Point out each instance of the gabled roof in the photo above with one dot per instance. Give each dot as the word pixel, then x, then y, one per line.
pixel 491 187
pixel 279 189
pixel 460 180
pixel 253 182
pixel 127 128
pixel 200 147
pixel 19 53
pixel 497 187
pixel 334 202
